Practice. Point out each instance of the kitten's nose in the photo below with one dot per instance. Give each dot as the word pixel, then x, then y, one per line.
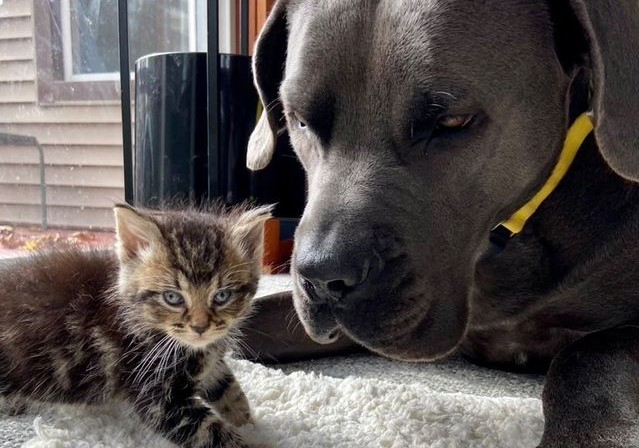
pixel 199 329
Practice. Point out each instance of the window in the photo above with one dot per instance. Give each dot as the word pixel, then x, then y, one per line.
pixel 77 41
pixel 90 33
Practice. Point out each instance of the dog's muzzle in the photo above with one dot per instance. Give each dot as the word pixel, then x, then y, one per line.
pixel 331 275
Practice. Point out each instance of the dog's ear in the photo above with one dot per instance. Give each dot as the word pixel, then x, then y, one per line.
pixel 611 29
pixel 268 68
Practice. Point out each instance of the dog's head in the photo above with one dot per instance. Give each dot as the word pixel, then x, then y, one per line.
pixel 421 125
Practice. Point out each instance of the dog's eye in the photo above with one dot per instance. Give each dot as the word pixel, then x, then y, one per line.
pixel 301 124
pixel 444 126
pixel 454 122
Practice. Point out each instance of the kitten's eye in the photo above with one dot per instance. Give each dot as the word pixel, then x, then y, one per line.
pixel 173 298
pixel 454 122
pixel 223 296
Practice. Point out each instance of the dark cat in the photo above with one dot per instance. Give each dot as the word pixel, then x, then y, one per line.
pixel 148 323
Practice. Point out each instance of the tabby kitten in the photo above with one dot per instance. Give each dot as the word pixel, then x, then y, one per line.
pixel 149 323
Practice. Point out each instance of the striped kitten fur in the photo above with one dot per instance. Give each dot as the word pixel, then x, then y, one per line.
pixel 148 323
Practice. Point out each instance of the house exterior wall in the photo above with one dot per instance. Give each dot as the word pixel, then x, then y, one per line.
pixel 82 141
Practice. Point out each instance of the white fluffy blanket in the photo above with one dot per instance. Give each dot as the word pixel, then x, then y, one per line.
pixel 355 402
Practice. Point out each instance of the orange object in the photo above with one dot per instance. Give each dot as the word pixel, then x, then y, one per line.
pixel 271 244
pixel 286 250
pixel 258 13
pixel 277 252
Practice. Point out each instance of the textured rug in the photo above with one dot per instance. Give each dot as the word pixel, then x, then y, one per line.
pixel 354 402
pixel 350 402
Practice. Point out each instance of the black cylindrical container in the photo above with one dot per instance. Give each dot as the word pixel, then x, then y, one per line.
pixel 238 113
pixel 170 158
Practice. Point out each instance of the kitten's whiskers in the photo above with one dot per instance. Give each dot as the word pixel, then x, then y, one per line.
pixel 147 362
pixel 237 345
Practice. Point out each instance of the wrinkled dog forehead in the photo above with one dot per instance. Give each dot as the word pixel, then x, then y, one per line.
pixel 392 44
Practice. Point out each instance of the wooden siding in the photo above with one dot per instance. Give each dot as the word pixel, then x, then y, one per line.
pixel 60 155
pixel 82 141
pixel 60 196
pixel 15 8
pixel 19 49
pixel 18 92
pixel 17 71
pixel 76 217
pixel 18 27
pixel 68 175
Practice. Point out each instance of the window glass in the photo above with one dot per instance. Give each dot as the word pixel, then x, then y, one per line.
pixel 90 33
pixel 92 36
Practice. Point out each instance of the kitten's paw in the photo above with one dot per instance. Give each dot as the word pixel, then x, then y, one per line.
pixel 215 433
pixel 14 406
pixel 238 417
pixel 233 404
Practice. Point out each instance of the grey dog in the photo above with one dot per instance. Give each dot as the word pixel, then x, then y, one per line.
pixel 422 125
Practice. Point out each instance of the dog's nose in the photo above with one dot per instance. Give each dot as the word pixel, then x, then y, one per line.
pixel 321 290
pixel 330 279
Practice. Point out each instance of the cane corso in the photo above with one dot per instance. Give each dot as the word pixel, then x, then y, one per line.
pixel 424 124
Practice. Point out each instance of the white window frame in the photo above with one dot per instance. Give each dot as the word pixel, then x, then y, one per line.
pixel 227 13
pixel 197 36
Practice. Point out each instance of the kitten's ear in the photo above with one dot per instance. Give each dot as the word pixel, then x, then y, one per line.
pixel 247 231
pixel 135 232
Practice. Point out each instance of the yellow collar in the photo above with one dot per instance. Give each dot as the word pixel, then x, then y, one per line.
pixel 575 137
